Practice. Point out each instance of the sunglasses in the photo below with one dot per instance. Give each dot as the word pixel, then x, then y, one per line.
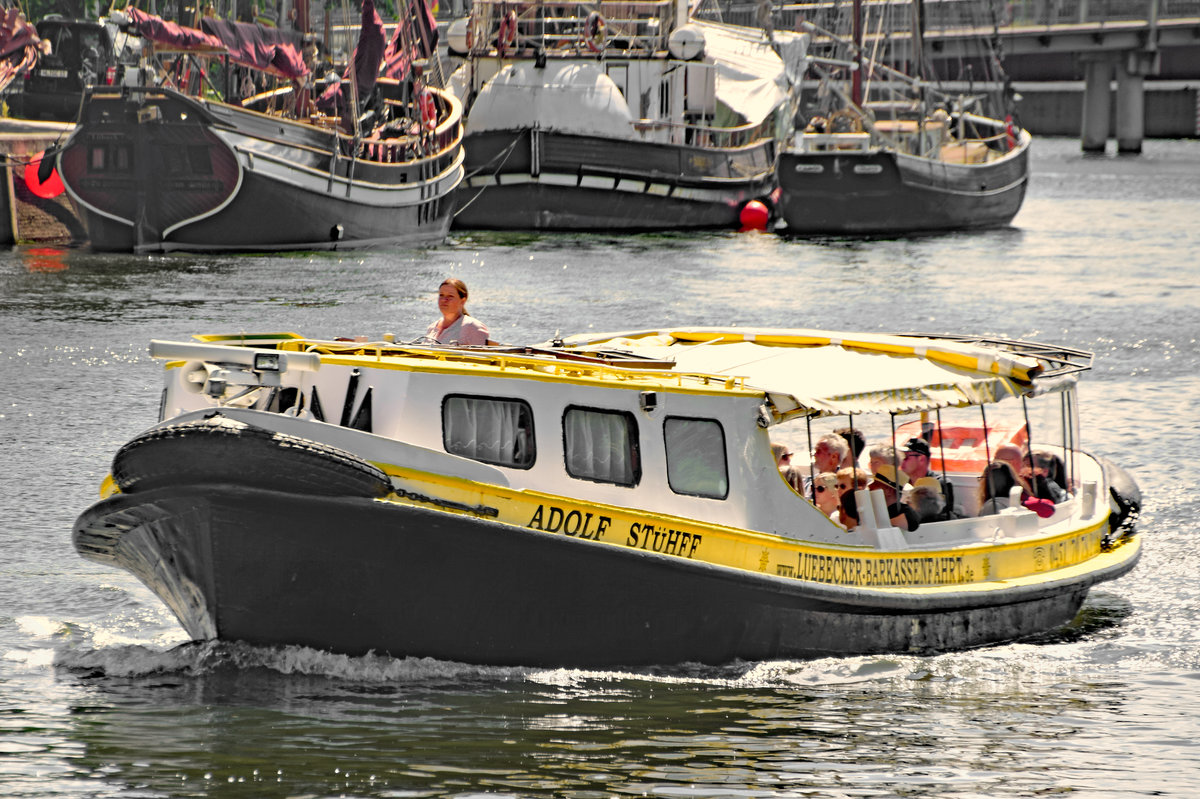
pixel 820 489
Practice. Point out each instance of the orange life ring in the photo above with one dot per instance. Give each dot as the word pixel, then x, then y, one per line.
pixel 594 32
pixel 508 33
pixel 428 109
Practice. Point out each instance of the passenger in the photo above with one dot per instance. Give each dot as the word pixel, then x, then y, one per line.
pixel 915 463
pixel 825 486
pixel 456 326
pixel 882 454
pixel 997 480
pixel 857 442
pixel 1051 476
pixel 827 457
pixel 848 481
pixel 829 452
pixel 783 455
pixel 851 478
pixel 891 482
pixel 1016 458
pixel 925 497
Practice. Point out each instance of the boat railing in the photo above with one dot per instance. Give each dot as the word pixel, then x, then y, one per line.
pixel 573 28
pixel 564 363
pixel 824 142
pixel 698 135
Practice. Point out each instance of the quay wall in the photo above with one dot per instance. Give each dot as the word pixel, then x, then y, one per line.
pixel 25 217
pixel 1056 108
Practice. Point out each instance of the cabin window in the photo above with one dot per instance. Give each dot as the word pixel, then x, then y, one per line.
pixel 601 446
pixel 109 157
pixel 696 457
pixel 488 429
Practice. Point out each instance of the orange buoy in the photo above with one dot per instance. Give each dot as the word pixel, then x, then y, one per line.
pixel 754 216
pixel 51 187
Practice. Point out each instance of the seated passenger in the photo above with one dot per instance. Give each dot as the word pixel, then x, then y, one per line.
pixel 926 499
pixel 783 455
pixel 891 482
pixel 915 463
pixel 997 480
pixel 857 443
pixel 825 488
pixel 1050 476
pixel 1018 460
pixel 850 480
pixel 882 454
pixel 827 456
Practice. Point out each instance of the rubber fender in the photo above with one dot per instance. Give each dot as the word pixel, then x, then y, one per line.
pixel 1125 495
pixel 221 450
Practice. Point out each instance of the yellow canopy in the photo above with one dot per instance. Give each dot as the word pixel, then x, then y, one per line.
pixel 830 373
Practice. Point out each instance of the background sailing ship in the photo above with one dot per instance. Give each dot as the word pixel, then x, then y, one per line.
pixel 886 145
pixel 618 116
pixel 236 147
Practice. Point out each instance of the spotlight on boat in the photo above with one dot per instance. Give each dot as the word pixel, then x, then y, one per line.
pixel 266 361
pixel 648 401
pixel 754 216
pixel 215 387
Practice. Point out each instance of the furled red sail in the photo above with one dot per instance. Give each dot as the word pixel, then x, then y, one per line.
pixel 171 34
pixel 415 36
pixel 272 50
pixel 20 46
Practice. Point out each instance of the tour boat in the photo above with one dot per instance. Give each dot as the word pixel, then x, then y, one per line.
pixel 602 500
pixel 248 161
pixel 618 116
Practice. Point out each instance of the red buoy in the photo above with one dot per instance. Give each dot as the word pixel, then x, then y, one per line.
pixel 754 216
pixel 51 187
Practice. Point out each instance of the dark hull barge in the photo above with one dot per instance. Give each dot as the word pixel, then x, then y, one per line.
pixel 846 184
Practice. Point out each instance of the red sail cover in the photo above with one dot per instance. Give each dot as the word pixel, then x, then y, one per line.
pixel 368 54
pixel 250 44
pixel 20 46
pixel 159 31
pixel 415 36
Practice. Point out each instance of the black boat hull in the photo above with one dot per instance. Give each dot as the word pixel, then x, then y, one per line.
pixel 355 575
pixel 156 170
pixel 538 180
pixel 879 191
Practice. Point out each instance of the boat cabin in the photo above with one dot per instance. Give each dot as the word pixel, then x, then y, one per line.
pixel 676 425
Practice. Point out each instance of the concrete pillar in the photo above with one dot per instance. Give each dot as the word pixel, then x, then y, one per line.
pixel 1097 104
pixel 1131 111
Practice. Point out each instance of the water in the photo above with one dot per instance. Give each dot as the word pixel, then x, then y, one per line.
pixel 100 696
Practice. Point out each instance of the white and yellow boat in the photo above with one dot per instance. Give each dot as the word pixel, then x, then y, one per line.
pixel 604 500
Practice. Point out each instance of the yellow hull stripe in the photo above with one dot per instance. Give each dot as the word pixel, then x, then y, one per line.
pixel 853 565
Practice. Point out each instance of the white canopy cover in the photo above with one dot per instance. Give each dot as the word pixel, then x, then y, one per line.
pixel 752 78
pixel 833 373
pixel 570 98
